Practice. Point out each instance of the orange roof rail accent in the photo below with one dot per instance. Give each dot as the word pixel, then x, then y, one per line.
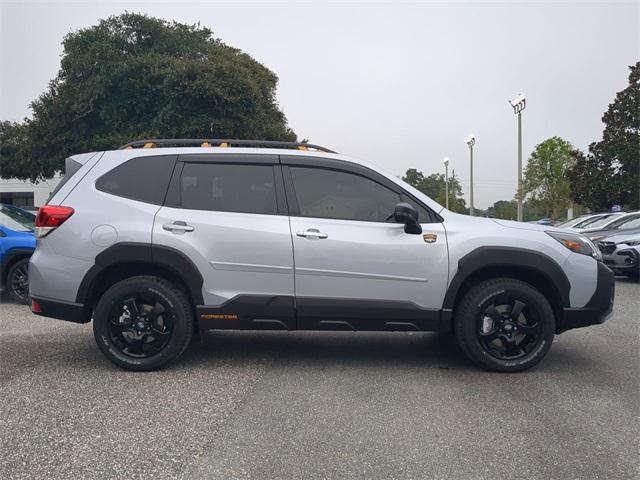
pixel 220 142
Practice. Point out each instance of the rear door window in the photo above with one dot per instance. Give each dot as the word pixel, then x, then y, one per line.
pixel 227 187
pixel 144 178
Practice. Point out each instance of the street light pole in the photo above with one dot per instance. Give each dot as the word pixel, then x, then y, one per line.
pixel 520 213
pixel 518 105
pixel 446 182
pixel 471 140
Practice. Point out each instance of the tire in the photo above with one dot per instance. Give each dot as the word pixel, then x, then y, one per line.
pixel 504 325
pixel 17 281
pixel 143 323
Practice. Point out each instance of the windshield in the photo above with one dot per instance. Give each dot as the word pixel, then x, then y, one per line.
pixel 599 222
pixel 572 222
pixel 17 219
pixel 590 220
pixel 626 223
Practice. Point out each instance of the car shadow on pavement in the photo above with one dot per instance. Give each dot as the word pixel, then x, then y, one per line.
pixel 620 279
pixel 73 346
pixel 327 349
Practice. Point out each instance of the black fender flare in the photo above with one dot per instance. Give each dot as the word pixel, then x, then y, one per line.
pixel 124 253
pixel 503 258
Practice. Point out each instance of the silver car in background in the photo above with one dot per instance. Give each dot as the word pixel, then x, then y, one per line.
pixel 621 253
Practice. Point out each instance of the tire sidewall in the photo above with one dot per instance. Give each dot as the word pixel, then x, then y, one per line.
pixel 477 300
pixel 182 324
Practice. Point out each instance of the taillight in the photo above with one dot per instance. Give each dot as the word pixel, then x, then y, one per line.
pixel 51 217
pixel 35 306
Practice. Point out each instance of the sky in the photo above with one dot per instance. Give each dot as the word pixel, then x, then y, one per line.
pixel 400 84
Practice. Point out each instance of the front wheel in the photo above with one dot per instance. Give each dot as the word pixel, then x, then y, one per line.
pixel 143 323
pixel 504 325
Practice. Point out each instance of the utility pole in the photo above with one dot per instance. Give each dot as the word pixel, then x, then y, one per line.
pixel 446 182
pixel 518 104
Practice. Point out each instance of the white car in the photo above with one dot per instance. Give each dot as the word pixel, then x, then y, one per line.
pixel 597 222
pixel 166 238
pixel 582 219
pixel 621 253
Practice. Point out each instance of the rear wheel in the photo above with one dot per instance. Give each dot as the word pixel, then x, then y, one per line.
pixel 143 323
pixel 17 281
pixel 504 325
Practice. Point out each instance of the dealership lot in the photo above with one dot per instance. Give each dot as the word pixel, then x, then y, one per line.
pixel 318 405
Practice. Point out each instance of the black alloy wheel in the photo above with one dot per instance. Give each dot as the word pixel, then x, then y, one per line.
pixel 508 329
pixel 141 326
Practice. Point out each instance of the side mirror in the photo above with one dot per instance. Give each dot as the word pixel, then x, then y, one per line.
pixel 405 213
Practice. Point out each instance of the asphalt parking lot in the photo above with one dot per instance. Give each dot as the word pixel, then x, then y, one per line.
pixel 319 405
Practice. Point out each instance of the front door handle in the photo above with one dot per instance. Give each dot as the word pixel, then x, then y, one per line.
pixel 178 227
pixel 312 233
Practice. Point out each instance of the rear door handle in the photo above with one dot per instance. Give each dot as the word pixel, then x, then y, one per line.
pixel 178 227
pixel 312 233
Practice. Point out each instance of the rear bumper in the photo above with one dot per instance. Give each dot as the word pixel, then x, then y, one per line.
pixel 598 309
pixel 70 312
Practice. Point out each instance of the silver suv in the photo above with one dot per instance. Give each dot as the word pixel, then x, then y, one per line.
pixel 165 238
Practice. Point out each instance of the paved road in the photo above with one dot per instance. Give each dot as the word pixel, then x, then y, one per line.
pixel 319 405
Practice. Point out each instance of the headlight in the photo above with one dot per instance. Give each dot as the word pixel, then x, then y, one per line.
pixel 577 243
pixel 631 243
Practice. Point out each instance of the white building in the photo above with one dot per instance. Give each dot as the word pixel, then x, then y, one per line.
pixel 23 193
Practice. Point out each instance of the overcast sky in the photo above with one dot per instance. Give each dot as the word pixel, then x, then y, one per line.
pixel 399 84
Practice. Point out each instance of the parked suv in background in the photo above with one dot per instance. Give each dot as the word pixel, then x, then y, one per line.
pixel 17 243
pixel 621 252
pixel 157 243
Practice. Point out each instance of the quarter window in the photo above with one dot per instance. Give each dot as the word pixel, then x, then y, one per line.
pixel 228 188
pixel 144 178
pixel 324 193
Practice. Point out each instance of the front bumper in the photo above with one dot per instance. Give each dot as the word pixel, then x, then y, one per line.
pixel 625 261
pixel 599 307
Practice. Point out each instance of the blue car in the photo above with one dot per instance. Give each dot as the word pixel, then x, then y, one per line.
pixel 17 243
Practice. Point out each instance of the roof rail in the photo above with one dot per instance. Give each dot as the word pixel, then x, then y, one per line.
pixel 217 142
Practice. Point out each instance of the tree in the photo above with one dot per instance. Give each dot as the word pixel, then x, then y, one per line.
pixel 434 187
pixel 545 177
pixel 592 181
pixel 610 173
pixel 504 209
pixel 132 77
pixel 14 146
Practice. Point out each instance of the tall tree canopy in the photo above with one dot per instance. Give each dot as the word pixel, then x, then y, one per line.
pixel 545 177
pixel 434 187
pixel 610 173
pixel 132 77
